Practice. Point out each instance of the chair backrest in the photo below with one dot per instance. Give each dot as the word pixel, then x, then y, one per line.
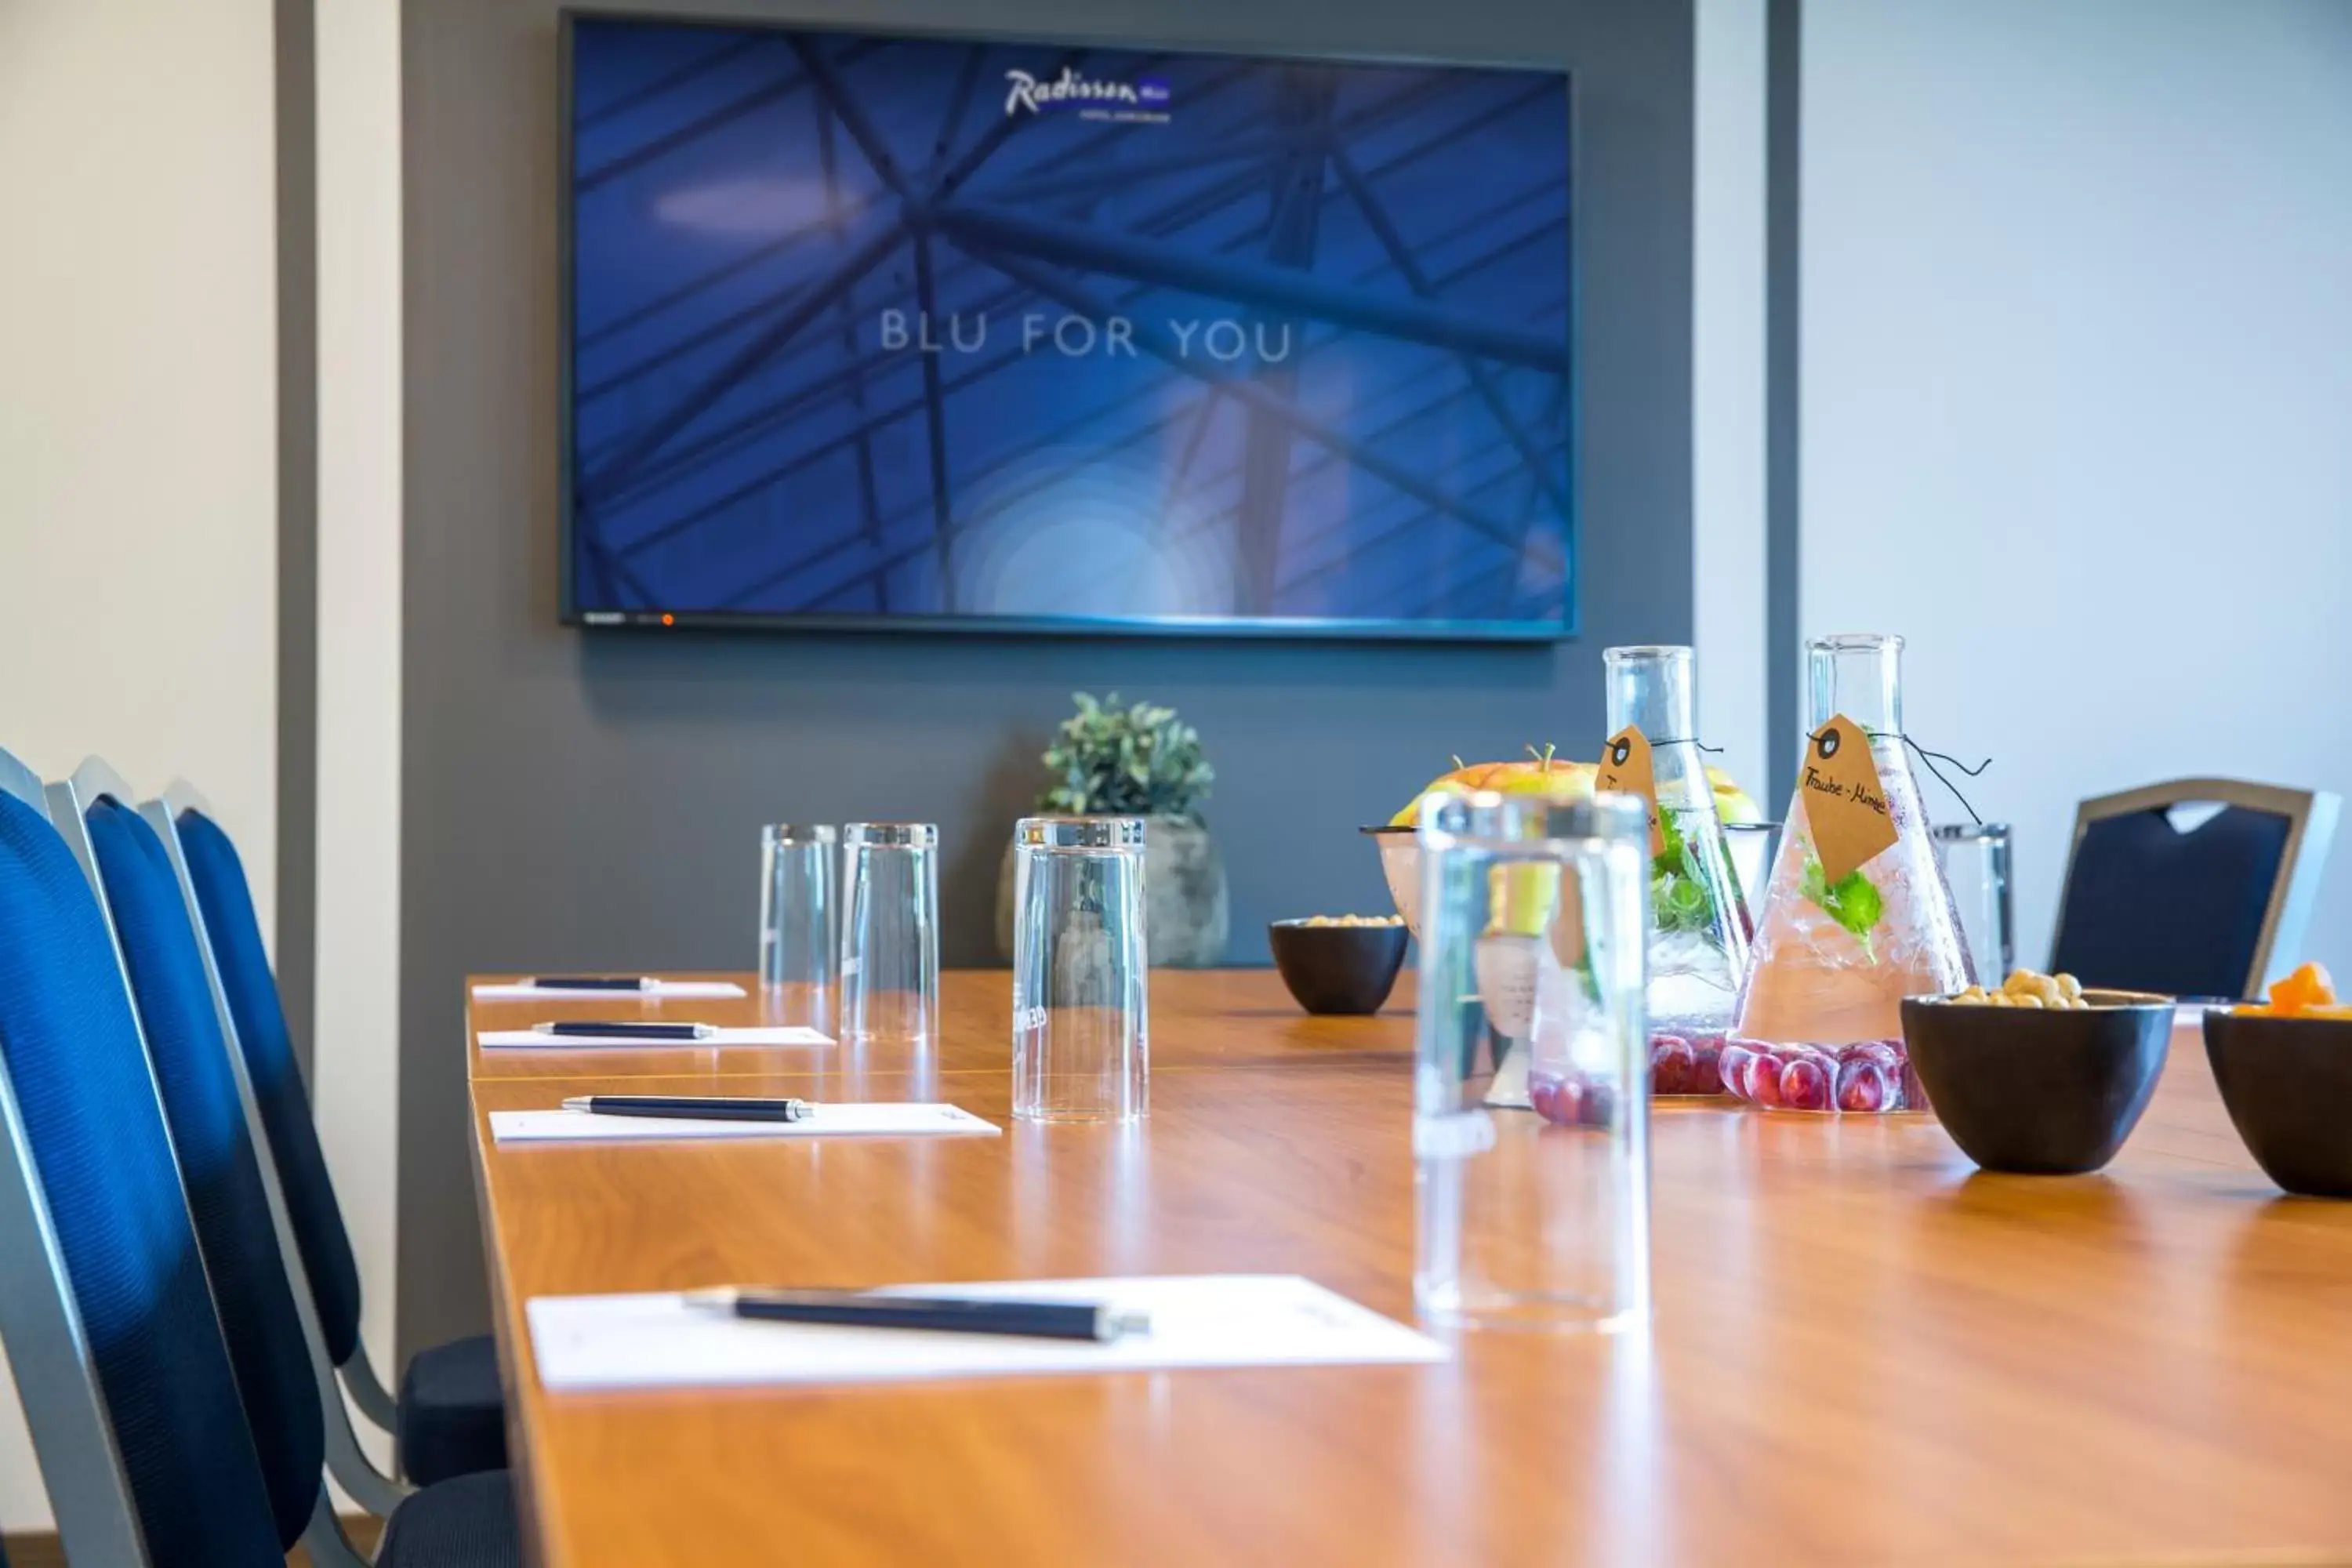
pixel 140 893
pixel 2161 897
pixel 93 1219
pixel 243 963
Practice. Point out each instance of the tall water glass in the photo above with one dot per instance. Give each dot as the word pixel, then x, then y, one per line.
pixel 1974 856
pixel 1536 1218
pixel 1752 846
pixel 799 869
pixel 1081 1027
pixel 890 934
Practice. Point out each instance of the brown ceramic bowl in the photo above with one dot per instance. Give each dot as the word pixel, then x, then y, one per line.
pixel 1337 969
pixel 2288 1085
pixel 2039 1092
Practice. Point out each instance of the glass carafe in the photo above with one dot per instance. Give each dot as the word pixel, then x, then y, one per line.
pixel 1819 1026
pixel 1698 924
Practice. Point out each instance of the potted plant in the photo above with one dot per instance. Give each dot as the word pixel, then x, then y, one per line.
pixel 1140 761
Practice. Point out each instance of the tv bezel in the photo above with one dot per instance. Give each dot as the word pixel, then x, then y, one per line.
pixel 1290 628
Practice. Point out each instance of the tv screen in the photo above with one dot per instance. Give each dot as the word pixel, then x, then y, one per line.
pixel 868 330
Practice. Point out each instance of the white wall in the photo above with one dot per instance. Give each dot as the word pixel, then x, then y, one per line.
pixel 1727 386
pixel 138 421
pixel 355 1079
pixel 137 400
pixel 2077 392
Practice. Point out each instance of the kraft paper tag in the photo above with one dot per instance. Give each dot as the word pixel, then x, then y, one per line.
pixel 1845 802
pixel 1626 769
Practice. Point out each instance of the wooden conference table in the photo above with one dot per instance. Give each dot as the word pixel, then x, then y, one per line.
pixel 1863 1351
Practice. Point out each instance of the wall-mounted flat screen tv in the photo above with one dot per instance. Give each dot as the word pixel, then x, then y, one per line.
pixel 887 330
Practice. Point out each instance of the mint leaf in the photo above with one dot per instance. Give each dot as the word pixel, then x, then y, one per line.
pixel 1680 898
pixel 1860 902
pixel 1854 901
pixel 1681 903
pixel 1670 858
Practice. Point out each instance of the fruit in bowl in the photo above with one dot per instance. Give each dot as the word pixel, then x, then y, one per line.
pixel 1543 772
pixel 1540 773
pixel 2308 992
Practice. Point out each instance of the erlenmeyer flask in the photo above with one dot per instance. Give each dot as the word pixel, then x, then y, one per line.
pixel 1819 1023
pixel 1698 925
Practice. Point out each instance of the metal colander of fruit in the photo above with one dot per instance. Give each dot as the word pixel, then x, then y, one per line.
pixel 1692 890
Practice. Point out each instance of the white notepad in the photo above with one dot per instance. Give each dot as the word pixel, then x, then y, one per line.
pixel 586 1343
pixel 664 991
pixel 532 1039
pixel 825 1121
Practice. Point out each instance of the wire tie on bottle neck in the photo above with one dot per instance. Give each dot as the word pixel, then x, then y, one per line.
pixel 1930 759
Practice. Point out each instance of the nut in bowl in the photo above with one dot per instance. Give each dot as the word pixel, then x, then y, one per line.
pixel 1340 964
pixel 2285 1069
pixel 2040 1077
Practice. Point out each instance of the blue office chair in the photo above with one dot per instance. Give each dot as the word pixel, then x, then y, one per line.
pixel 450 1417
pixel 112 1311
pixel 268 1345
pixel 2195 887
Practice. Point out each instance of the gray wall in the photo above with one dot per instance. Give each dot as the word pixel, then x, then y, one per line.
pixel 298 520
pixel 584 800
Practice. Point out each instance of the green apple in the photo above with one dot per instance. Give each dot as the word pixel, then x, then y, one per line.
pixel 1732 803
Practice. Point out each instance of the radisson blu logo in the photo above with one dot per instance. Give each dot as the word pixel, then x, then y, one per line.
pixel 1090 97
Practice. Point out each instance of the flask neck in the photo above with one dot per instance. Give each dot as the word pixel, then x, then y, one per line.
pixel 1651 688
pixel 1859 675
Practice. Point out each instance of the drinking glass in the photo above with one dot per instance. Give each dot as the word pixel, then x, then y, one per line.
pixel 1976 863
pixel 1081 1030
pixel 891 935
pixel 1752 844
pixel 1534 1218
pixel 799 866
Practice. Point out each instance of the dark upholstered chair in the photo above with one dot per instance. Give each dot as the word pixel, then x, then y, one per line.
pixel 2195 887
pixel 144 1296
pixel 450 1417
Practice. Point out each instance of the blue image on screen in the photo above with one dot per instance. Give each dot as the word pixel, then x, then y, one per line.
pixel 886 327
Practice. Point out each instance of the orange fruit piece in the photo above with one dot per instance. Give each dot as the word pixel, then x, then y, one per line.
pixel 2309 986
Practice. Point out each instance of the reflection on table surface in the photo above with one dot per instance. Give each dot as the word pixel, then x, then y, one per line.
pixel 1864 1350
